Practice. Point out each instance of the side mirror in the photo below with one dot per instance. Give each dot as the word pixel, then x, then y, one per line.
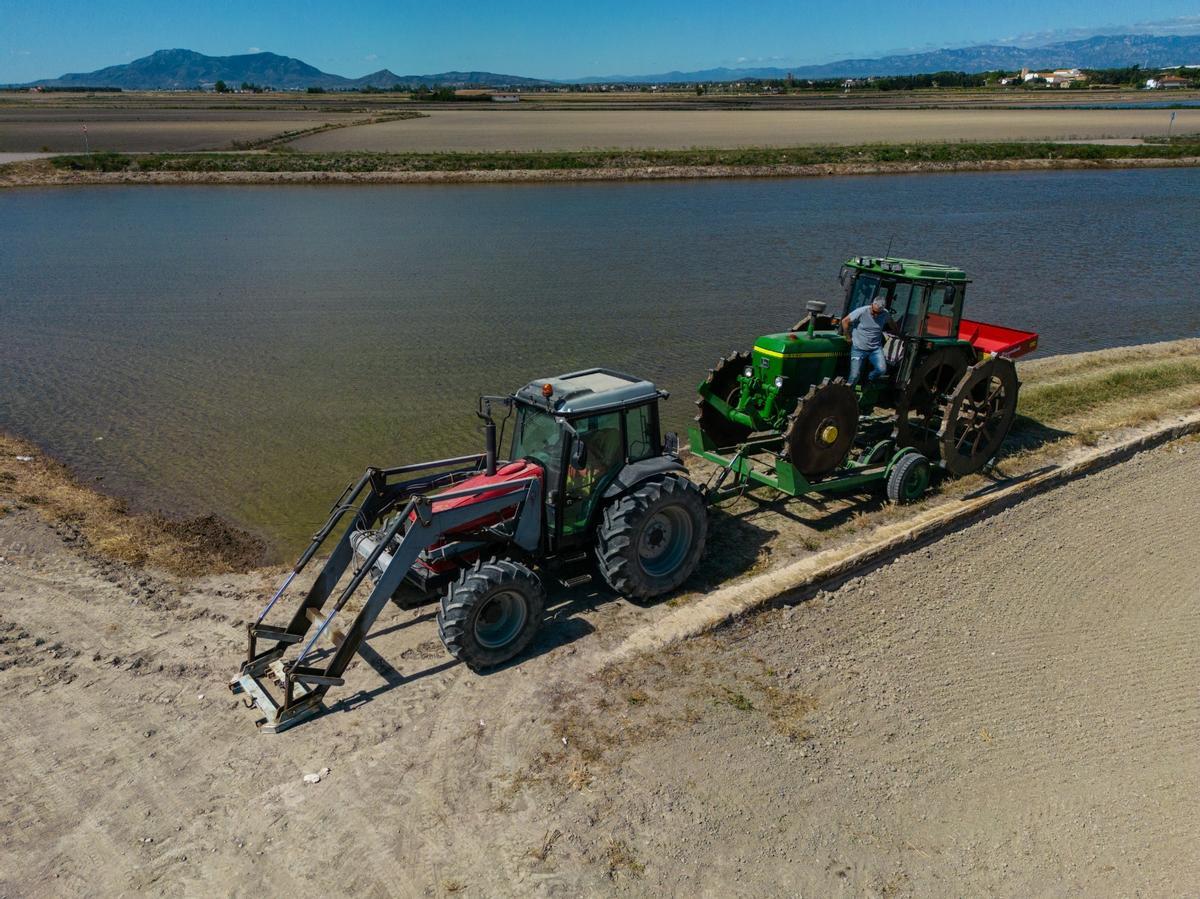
pixel 579 455
pixel 671 443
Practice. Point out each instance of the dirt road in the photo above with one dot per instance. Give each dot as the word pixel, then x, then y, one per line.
pixel 1012 709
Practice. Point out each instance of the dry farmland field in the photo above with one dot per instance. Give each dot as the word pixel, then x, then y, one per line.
pixel 149 131
pixel 167 122
pixel 483 129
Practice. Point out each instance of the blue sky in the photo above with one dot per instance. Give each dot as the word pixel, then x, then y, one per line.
pixel 543 39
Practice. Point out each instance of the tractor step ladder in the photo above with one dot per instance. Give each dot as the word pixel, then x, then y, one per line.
pixel 288 692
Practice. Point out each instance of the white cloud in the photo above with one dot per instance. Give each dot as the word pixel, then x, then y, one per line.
pixel 371 57
pixel 254 49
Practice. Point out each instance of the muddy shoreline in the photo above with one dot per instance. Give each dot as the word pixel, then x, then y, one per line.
pixel 34 174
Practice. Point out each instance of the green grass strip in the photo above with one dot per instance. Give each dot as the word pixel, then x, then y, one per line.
pixel 1054 403
pixel 286 159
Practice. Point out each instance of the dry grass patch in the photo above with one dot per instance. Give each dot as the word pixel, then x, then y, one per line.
pixel 621 858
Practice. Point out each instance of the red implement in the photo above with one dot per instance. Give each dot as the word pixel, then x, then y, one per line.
pixel 997 339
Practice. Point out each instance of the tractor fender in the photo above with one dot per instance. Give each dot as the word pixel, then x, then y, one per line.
pixel 638 472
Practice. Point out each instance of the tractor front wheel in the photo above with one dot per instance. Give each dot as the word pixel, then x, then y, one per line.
pixel 649 541
pixel 491 613
pixel 722 382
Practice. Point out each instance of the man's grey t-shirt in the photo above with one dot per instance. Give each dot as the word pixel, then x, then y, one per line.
pixel 867 329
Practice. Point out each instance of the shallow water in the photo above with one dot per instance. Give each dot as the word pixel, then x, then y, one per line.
pixel 248 350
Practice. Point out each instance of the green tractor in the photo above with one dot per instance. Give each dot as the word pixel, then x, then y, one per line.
pixel 784 414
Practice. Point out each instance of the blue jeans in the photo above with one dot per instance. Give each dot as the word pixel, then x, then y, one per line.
pixel 875 357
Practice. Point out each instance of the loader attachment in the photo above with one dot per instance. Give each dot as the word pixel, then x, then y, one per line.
pixel 393 517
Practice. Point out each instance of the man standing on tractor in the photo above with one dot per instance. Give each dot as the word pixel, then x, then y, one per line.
pixel 868 324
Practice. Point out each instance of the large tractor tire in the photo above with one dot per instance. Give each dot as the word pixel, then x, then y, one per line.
pixel 978 416
pixel 819 433
pixel 491 613
pixel 722 380
pixel 649 540
pixel 920 410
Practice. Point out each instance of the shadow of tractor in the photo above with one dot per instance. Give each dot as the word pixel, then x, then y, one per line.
pixel 1030 434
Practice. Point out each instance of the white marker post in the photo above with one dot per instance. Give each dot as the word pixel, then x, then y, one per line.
pixel 1169 124
pixel 86 148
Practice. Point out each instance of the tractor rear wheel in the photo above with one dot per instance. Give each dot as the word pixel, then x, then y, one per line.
pixel 649 540
pixel 920 410
pixel 722 380
pixel 491 613
pixel 978 416
pixel 819 433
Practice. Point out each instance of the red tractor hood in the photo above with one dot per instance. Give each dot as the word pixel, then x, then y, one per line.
pixel 505 475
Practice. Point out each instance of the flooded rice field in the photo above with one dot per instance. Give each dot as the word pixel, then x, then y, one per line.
pixel 248 350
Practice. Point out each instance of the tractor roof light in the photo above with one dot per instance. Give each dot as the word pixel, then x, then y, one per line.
pixel 547 390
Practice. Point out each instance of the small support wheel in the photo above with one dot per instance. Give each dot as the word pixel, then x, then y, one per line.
pixel 491 613
pixel 909 478
pixel 649 540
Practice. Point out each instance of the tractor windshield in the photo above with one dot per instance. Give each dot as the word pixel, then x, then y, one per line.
pixel 864 290
pixel 538 437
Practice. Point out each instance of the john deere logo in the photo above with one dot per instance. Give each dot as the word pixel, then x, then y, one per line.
pixel 764 363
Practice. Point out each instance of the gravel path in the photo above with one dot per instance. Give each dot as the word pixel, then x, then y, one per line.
pixel 1011 710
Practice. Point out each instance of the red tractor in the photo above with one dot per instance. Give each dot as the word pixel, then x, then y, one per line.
pixel 590 485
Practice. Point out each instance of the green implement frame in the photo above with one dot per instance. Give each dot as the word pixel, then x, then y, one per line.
pixel 761 463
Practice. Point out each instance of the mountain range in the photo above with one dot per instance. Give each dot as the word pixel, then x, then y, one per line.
pixel 1101 52
pixel 187 69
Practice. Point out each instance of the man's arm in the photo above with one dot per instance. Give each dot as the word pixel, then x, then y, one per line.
pixel 848 322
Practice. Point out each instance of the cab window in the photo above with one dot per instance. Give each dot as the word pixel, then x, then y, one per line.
pixel 865 288
pixel 906 308
pixel 642 433
pixel 538 437
pixel 941 321
pixel 605 454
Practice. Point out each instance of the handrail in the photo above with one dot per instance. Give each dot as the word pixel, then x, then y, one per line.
pixel 423 466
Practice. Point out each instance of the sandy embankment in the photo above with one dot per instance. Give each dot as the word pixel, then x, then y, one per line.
pixel 34 175
pixel 1007 709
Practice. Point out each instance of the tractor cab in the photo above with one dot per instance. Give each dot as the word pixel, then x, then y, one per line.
pixel 925 300
pixel 585 430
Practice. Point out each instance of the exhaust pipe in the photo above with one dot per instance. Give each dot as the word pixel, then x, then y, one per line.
pixel 489 445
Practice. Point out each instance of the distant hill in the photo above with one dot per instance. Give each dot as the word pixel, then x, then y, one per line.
pixel 187 69
pixel 1101 52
